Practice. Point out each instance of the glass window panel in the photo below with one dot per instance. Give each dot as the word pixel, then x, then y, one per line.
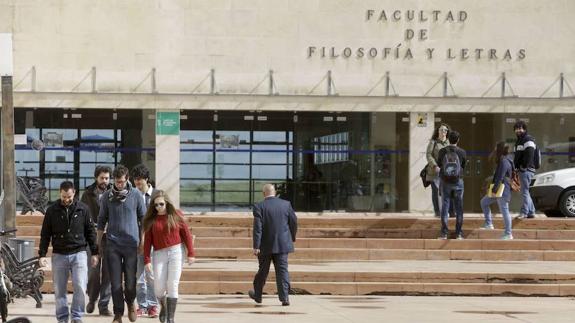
pixel 269 172
pixel 196 153
pixel 234 156
pixel 196 171
pixel 223 185
pixel 233 197
pixel 195 191
pixel 270 136
pixel 232 171
pixel 268 155
pixel 196 136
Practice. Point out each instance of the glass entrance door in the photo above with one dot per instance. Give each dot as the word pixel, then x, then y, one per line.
pixel 479 135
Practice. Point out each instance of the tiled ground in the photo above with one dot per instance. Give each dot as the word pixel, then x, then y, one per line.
pixel 336 309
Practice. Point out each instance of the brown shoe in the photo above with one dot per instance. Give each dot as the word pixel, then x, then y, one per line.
pixel 132 316
pixel 117 318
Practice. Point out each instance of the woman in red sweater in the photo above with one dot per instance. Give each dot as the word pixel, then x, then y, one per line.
pixel 165 230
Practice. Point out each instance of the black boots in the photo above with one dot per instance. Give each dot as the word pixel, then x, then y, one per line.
pixel 163 309
pixel 172 302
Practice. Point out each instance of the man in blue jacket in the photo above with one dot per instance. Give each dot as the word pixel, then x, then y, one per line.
pixel 274 232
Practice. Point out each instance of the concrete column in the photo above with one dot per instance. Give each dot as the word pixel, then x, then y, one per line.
pixel 421 127
pixel 168 154
pixel 8 198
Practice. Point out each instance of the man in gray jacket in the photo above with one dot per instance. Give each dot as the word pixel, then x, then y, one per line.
pixel 121 212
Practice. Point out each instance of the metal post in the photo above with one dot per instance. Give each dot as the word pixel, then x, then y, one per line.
pixel 329 82
pixel 212 81
pixel 93 79
pixel 271 85
pixel 444 83
pixel 33 79
pixel 561 80
pixel 153 79
pixel 503 84
pixel 9 171
pixel 387 80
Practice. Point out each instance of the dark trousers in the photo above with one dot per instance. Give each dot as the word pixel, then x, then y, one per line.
pixel 122 263
pixel 452 192
pixel 282 275
pixel 99 280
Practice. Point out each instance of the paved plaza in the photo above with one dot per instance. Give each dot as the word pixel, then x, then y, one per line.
pixel 336 309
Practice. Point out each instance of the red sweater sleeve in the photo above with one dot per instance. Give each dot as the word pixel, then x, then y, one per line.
pixel 147 246
pixel 186 238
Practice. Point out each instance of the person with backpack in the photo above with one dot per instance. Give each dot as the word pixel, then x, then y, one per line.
pixel 502 176
pixel 451 162
pixel 526 160
pixel 437 142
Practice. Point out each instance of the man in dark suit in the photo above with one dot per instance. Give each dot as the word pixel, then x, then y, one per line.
pixel 275 227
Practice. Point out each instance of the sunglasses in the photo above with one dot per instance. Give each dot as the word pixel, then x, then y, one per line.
pixel 159 204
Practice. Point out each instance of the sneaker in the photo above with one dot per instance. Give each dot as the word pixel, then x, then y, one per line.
pixel 153 312
pixel 443 237
pixel 141 312
pixel 525 216
pixel 487 227
pixel 460 237
pixel 507 237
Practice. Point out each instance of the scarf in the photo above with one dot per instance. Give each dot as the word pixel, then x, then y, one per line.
pixel 120 195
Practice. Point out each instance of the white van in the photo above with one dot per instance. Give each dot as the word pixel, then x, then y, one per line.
pixel 553 193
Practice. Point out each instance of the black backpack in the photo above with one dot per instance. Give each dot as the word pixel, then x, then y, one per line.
pixel 450 166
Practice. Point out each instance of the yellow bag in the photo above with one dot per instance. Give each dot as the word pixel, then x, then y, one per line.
pixel 499 193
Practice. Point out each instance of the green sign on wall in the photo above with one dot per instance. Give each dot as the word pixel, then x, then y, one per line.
pixel 168 123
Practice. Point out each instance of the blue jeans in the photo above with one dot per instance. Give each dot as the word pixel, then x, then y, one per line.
pixel 527 206
pixel 62 266
pixel 503 207
pixel 435 186
pixel 452 192
pixel 145 286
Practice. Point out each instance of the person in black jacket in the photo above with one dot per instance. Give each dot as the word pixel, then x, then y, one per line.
pixel 451 161
pixel 98 277
pixel 274 232
pixel 68 225
pixel 525 164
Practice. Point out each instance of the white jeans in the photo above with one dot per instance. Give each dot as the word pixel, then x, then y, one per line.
pixel 167 265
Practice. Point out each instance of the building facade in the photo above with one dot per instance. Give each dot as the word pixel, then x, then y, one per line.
pixel 334 101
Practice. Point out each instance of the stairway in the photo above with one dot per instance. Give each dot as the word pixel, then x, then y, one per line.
pixel 358 254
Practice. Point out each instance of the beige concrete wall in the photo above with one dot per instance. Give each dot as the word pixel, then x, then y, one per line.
pixel 243 39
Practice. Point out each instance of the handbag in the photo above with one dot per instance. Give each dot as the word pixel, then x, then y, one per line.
pixel 514 182
pixel 423 175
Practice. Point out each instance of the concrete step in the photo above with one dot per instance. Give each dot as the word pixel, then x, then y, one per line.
pixel 537 278
pixel 334 254
pixel 372 288
pixel 240 232
pixel 374 243
pixel 344 220
pixel 193 275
